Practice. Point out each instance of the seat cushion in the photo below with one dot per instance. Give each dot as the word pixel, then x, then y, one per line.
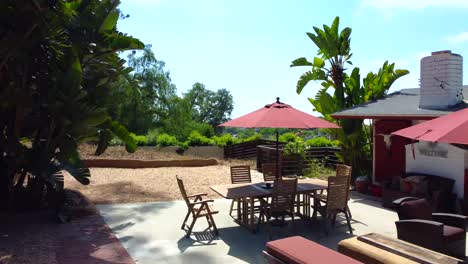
pixel 300 250
pixel 452 233
pixel 416 209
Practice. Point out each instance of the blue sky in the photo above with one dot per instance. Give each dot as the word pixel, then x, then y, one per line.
pixel 247 46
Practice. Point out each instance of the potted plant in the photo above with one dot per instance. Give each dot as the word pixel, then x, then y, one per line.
pixel 361 184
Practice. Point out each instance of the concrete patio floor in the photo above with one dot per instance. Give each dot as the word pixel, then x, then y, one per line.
pixel 151 232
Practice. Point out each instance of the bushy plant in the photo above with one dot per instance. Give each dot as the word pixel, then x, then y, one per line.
pixel 183 145
pixel 224 140
pixel 152 137
pixel 296 148
pixel 165 140
pixel 140 140
pixel 321 142
pixel 204 129
pixel 115 141
pixel 196 139
pixel 317 169
pixel 288 137
pixel 252 138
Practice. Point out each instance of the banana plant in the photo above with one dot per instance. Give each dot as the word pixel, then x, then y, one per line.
pixel 328 68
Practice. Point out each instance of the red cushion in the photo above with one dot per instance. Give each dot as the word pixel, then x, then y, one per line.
pixel 416 209
pixel 452 233
pixel 300 250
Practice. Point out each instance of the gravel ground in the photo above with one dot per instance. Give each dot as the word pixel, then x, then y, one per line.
pixel 112 185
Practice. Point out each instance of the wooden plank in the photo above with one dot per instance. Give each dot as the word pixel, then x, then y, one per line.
pixel 407 250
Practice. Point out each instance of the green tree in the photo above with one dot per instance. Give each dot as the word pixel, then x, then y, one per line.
pixel 58 65
pixel 334 51
pixel 210 107
pixel 156 90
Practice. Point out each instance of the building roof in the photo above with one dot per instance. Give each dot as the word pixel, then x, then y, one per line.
pixel 403 104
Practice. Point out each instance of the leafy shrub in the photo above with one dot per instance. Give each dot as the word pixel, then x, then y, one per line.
pixel 321 142
pixel 252 138
pixel 223 140
pixel 288 137
pixel 140 140
pixel 115 141
pixel 296 148
pixel 204 129
pixel 183 145
pixel 166 140
pixel 317 169
pixel 152 137
pixel 196 139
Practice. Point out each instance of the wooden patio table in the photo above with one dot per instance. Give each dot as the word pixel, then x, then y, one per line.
pixel 246 193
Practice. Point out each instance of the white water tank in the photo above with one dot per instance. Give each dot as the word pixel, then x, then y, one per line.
pixel 441 80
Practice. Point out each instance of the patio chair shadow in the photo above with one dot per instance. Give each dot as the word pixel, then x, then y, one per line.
pixel 248 246
pixel 200 238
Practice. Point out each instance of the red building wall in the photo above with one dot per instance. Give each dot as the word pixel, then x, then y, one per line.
pixel 389 161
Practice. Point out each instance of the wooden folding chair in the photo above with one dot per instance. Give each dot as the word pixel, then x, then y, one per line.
pixel 239 174
pixel 345 171
pixel 269 171
pixel 282 202
pixel 341 171
pixel 335 202
pixel 197 207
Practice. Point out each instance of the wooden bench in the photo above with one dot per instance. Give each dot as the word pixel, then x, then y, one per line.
pixel 377 249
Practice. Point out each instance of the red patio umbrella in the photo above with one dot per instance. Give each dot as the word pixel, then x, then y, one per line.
pixel 451 128
pixel 279 115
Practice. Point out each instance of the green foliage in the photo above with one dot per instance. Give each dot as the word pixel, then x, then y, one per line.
pixel 183 145
pixel 334 51
pixel 196 139
pixel 140 140
pixel 223 140
pixel 204 129
pixel 59 68
pixel 209 107
pixel 251 138
pixel 165 140
pixel 296 148
pixel 288 137
pixel 322 142
pixel 317 169
pixel 152 137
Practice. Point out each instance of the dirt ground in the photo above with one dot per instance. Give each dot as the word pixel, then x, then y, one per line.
pixel 112 185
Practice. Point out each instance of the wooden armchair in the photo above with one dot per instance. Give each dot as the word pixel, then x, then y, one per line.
pixel 269 171
pixel 282 202
pixel 239 174
pixel 197 207
pixel 335 202
pixel 445 233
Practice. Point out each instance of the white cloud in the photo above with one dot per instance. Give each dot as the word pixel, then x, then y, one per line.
pixel 386 5
pixel 457 39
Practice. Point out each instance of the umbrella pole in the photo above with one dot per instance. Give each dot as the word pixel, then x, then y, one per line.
pixel 277 154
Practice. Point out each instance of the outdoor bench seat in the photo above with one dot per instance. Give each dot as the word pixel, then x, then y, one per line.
pixel 299 250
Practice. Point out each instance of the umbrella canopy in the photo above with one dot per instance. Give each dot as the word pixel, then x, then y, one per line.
pixel 451 128
pixel 279 115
